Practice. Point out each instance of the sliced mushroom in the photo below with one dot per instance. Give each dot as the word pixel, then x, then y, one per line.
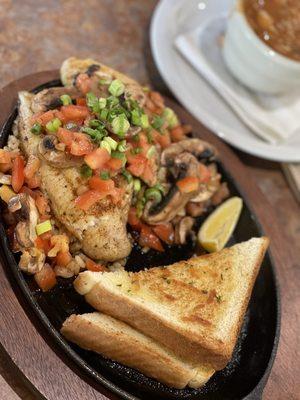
pixel 25 211
pixel 199 148
pixel 5 179
pixel 221 194
pixel 22 235
pixel 183 229
pixel 59 159
pixel 197 209
pixel 174 202
pixel 49 99
pixel 32 261
pixel 207 190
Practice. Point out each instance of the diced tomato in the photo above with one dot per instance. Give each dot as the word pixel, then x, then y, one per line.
pixel 165 232
pixel 81 102
pixel 31 167
pixel 44 118
pixel 89 198
pixel 41 202
pixel 177 134
pixel 92 266
pixel 205 173
pixel 63 258
pixel 81 144
pixel 149 239
pixel 34 182
pixel 97 158
pixel 137 164
pixel 46 278
pixel 117 195
pixel 65 136
pixel 74 113
pixel 5 157
pixel 133 219
pixel 114 164
pixel 42 244
pixel 84 83
pixel 17 177
pixel 148 174
pixel 104 186
pixel 5 167
pixel 188 184
pixel 162 138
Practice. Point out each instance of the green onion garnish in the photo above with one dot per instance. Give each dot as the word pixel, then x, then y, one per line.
pixel 92 102
pixel 95 123
pixel 151 152
pixel 36 128
pixel 137 150
pixel 111 142
pixel 116 88
pixel 105 145
pixel 43 227
pixel 66 99
pixel 102 103
pixel 120 125
pixel 104 175
pixel 119 155
pixel 127 175
pixel 135 117
pixel 122 146
pixel 144 121
pixel 53 125
pixel 105 81
pixel 153 194
pixel 103 115
pixel 157 122
pixel 137 185
pixel 112 101
pixel 86 171
pixel 170 117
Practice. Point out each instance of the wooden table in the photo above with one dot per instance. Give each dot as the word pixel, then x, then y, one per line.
pixel 37 36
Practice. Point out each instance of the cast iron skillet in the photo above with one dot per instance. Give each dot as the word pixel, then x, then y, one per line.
pixel 243 378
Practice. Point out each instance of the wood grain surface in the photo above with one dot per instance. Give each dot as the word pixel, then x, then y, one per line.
pixel 116 33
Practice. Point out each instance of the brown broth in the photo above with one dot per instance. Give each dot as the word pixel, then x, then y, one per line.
pixel 277 23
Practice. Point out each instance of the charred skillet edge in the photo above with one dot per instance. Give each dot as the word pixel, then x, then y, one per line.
pixel 256 393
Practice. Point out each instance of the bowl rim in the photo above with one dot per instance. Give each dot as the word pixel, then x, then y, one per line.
pixel 268 51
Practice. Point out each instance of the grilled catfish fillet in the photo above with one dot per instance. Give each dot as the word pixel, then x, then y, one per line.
pixel 194 307
pixel 116 340
pixel 102 229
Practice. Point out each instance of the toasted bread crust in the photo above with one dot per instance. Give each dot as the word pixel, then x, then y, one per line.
pixel 118 341
pixel 197 324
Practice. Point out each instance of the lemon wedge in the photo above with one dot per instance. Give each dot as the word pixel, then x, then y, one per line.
pixel 216 230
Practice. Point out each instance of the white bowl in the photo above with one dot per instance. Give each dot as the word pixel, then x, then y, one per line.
pixel 254 63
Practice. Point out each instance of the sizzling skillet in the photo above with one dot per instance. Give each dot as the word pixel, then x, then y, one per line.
pixel 254 354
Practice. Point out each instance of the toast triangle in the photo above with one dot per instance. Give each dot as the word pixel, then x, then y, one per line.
pixel 194 307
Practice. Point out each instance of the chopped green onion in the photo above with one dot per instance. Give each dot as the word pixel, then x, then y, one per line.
pixel 86 171
pixel 122 146
pixel 170 117
pixel 157 122
pixel 43 227
pixel 153 194
pixel 146 89
pixel 106 146
pixel 144 121
pixel 151 152
pixel 104 175
pixel 92 102
pixel 95 123
pixel 116 88
pixel 159 187
pixel 95 134
pixel 112 143
pixel 112 101
pixel 36 128
pixel 120 125
pixel 119 155
pixel 105 81
pixel 149 136
pixel 66 99
pixel 137 185
pixel 103 115
pixel 102 103
pixel 140 207
pixel 53 125
pixel 127 175
pixel 135 117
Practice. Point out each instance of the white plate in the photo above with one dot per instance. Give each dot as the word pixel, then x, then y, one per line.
pixel 173 17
